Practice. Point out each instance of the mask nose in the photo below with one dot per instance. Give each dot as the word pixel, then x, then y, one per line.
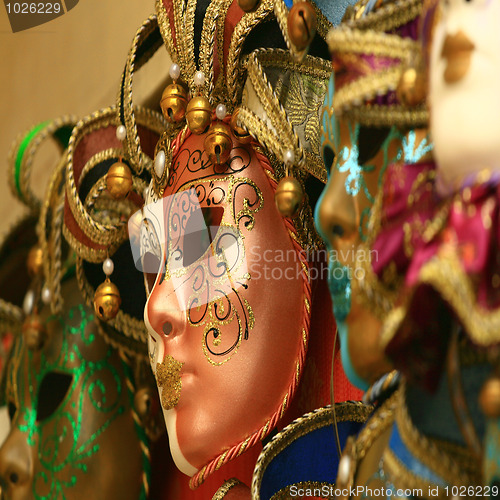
pixel 337 214
pixel 16 467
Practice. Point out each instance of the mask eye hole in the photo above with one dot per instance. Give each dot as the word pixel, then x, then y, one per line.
pixel 328 157
pixel 150 261
pixel 199 235
pixel 51 393
pixel 12 410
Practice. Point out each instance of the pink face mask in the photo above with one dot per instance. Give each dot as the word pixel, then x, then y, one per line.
pixel 227 313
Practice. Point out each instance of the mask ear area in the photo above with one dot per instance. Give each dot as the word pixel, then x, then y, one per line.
pixel 51 393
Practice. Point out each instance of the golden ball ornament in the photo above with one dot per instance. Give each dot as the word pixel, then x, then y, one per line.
pixel 489 397
pixel 218 143
pixel 173 103
pixel 248 5
pixel 288 196
pixel 198 114
pixel 107 300
pixel 143 401
pixel 34 332
pixel 412 88
pixel 302 23
pixel 34 262
pixel 239 133
pixel 119 180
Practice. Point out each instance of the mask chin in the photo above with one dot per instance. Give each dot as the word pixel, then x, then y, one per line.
pixel 349 370
pixel 180 460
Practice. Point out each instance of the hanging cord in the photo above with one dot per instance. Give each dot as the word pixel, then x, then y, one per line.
pixel 332 396
pixel 139 428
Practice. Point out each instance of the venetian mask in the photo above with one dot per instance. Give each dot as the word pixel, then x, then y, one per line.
pixel 226 313
pixel 342 218
pixel 464 97
pixel 72 432
pixel 365 129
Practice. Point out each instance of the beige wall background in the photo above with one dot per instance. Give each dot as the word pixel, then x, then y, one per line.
pixel 71 65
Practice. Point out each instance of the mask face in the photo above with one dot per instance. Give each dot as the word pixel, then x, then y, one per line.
pixel 72 433
pixel 464 96
pixel 226 306
pixel 342 218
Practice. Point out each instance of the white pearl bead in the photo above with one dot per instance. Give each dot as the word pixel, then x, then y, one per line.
pixel 221 111
pixel 29 302
pixel 46 295
pixel 175 71
pixel 121 132
pixel 344 469
pixel 108 267
pixel 199 78
pixel 289 157
pixel 160 163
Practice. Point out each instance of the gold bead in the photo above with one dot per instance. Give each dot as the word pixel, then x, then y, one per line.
pixel 248 5
pixel 34 261
pixel 489 397
pixel 107 300
pixel 34 333
pixel 412 88
pixel 239 133
pixel 198 114
pixel 119 180
pixel 173 103
pixel 143 401
pixel 288 196
pixel 218 143
pixel 302 24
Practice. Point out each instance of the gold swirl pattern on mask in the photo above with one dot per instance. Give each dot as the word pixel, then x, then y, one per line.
pixel 168 377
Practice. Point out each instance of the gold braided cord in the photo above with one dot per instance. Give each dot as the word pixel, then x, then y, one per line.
pixel 234 71
pixel 99 233
pixel 220 87
pixel 388 16
pixel 260 131
pixel 11 316
pixel 166 32
pixel 323 24
pixel 50 239
pixel 216 10
pixel 26 195
pixel 343 39
pixel 138 160
pixel 102 234
pixel 185 37
pixel 177 8
pixel 224 489
pixel 366 88
pixel 311 66
pixel 372 115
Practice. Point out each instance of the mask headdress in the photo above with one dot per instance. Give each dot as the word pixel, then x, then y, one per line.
pixel 373 53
